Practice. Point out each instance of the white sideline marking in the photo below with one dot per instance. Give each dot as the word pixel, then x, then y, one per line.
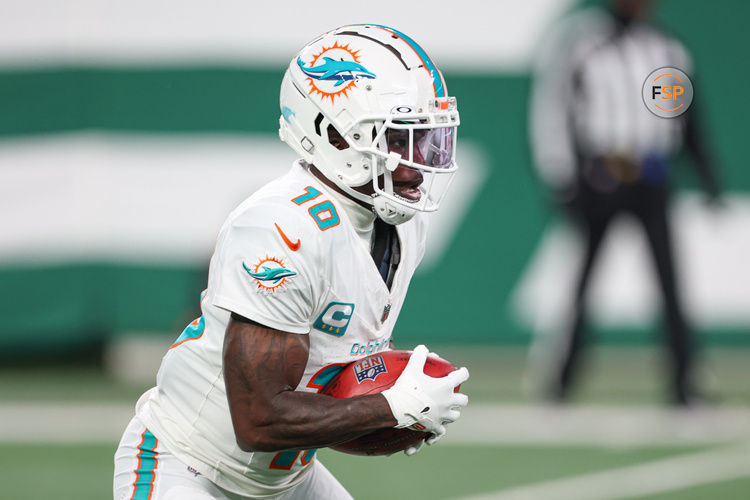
pixel 633 481
pixel 598 425
pixel 480 425
pixel 68 423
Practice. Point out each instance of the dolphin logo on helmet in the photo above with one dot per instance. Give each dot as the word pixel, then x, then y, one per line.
pixel 372 113
pixel 331 69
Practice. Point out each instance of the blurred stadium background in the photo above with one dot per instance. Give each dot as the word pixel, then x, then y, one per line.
pixel 129 130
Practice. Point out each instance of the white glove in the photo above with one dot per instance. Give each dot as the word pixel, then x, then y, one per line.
pixel 413 450
pixel 423 402
pixel 434 438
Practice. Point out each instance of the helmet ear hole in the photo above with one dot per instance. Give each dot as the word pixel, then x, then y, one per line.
pixel 335 139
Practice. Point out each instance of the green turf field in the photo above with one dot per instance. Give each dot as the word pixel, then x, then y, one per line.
pixel 620 380
pixel 83 472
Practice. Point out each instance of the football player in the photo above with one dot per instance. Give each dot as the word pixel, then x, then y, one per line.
pixel 308 275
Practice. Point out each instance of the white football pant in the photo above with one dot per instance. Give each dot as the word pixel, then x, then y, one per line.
pixel 145 470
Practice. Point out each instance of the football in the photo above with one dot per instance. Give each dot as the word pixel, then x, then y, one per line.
pixel 371 375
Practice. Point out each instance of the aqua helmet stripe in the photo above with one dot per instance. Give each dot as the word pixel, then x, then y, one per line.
pixel 436 80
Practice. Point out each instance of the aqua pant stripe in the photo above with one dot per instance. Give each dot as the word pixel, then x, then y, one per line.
pixel 147 462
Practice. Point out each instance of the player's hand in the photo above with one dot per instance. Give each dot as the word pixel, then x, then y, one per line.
pixel 423 402
pixel 413 450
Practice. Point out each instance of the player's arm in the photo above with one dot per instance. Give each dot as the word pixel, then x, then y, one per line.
pixel 262 366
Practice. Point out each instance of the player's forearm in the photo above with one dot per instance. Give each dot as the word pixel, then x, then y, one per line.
pixel 296 420
pixel 262 367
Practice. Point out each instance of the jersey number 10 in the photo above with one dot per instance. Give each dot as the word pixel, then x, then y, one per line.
pixel 324 213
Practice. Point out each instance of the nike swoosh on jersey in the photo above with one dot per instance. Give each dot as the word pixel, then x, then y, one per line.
pixel 292 246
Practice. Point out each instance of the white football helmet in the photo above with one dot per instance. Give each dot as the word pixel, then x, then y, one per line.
pixel 361 100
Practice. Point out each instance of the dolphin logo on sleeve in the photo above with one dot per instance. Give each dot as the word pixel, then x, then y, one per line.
pixel 273 274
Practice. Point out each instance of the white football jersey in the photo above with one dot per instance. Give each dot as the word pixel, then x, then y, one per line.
pixel 289 258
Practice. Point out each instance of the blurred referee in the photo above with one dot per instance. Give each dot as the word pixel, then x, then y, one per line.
pixel 602 153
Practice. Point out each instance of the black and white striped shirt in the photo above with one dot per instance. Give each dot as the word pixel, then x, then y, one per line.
pixel 586 98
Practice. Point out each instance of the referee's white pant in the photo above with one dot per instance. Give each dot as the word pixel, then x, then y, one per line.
pixel 147 471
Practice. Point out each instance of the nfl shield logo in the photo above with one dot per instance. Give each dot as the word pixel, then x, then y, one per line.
pixel 386 312
pixel 369 368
